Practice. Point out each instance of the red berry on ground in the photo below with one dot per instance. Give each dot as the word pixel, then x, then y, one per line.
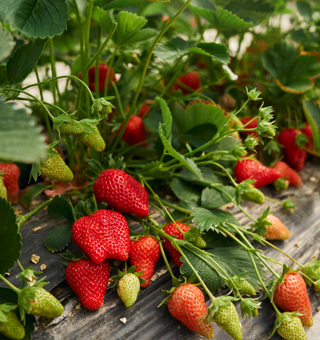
pixel 285 171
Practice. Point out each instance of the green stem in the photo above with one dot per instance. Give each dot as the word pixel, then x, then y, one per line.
pixel 119 101
pixel 80 33
pixel 14 288
pixel 170 205
pixel 46 103
pixel 55 89
pixel 96 76
pixel 165 259
pixel 20 265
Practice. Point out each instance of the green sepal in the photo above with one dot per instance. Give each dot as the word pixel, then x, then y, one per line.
pixel 166 299
pixel 253 94
pixel 249 307
pixel 4 309
pixel 261 223
pixel 281 184
pixel 102 105
pixel 288 205
pixel 69 257
pixel 28 275
pixel 311 269
pixel 216 304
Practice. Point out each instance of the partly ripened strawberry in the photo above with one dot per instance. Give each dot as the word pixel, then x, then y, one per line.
pixel 89 281
pixel 3 190
pixel 293 329
pixel 227 318
pixel 251 125
pixel 187 304
pixel 11 175
pixel 188 82
pixel 103 235
pixel 71 128
pixel 291 296
pixel 145 253
pixel 172 230
pixel 46 305
pixel 12 328
pixel 128 289
pixel 277 231
pixel 135 131
pixel 122 192
pixel 93 140
pixel 251 169
pixel 285 171
pixel 308 132
pixel 293 154
pixel 55 168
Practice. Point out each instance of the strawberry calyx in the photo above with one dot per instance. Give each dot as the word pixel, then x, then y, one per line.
pixel 260 225
pixel 250 307
pixel 284 317
pixel 28 276
pixel 281 184
pixel 311 270
pixel 121 274
pixel 69 257
pixel 5 308
pixel 215 306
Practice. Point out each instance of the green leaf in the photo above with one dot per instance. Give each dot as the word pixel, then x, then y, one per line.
pixel 58 238
pixel 31 193
pixel 213 50
pixel 29 327
pixel 305 10
pixel 200 135
pixel 293 72
pixel 122 4
pixel 166 116
pixel 10 239
pixel 7 44
pixel 184 190
pixel 312 112
pixel 234 260
pixel 209 178
pixel 61 209
pixel 22 62
pixel 142 35
pixel 35 18
pixel 7 295
pixel 214 198
pixel 206 219
pixel 185 161
pixel 103 19
pixel 20 139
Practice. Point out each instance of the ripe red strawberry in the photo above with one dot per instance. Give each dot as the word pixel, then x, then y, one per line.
pixel 292 296
pixel 308 132
pixel 103 235
pixel 145 253
pixel 251 169
pixel 103 71
pixel 277 230
pixel 190 80
pixel 135 131
pixel 11 175
pixel 285 171
pixel 172 230
pixel 144 110
pixel 188 306
pixel 89 281
pixel 252 125
pixel 122 192
pixel 293 154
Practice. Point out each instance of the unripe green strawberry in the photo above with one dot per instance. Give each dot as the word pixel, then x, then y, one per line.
pixel 13 328
pixel 3 190
pixel 55 168
pixel 71 128
pixel 128 289
pixel 253 195
pixel 46 305
pixel 255 313
pixel 243 286
pixel 292 330
pixel 199 242
pixel 227 318
pixel 93 140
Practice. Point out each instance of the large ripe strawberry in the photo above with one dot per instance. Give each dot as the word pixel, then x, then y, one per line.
pixel 292 330
pixel 187 304
pixel 252 125
pixel 227 318
pixel 145 253
pixel 172 230
pixel 291 296
pixel 122 192
pixel 293 154
pixel 13 328
pixel 308 132
pixel 103 235
pixel 11 175
pixel 285 171
pixel 55 168
pixel 251 169
pixel 135 131
pixel 128 289
pixel 102 72
pixel 190 80
pixel 46 305
pixel 93 140
pixel 277 231
pixel 89 281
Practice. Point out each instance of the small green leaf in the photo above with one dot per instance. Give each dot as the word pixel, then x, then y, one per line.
pixel 58 238
pixel 10 238
pixel 121 4
pixel 206 219
pixel 61 209
pixel 312 112
pixel 35 18
pixel 22 62
pixel 213 50
pixel 142 35
pixel 31 193
pixel 7 44
pixel 166 116
pixel 184 190
pixel 209 178
pixel 215 198
pixel 305 10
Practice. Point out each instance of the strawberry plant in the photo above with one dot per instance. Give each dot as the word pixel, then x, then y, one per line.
pixel 151 102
